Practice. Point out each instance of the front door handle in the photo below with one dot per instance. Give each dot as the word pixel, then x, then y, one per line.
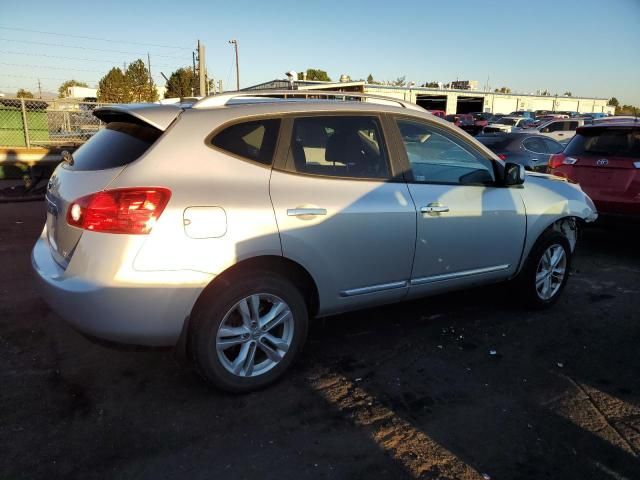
pixel 435 207
pixel 301 212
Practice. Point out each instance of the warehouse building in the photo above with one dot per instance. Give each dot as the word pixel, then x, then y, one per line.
pixel 454 100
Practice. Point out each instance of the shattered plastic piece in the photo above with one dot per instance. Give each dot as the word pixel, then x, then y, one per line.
pixel 492 352
pixel 440 346
pixel 560 364
pixel 486 476
pixel 358 379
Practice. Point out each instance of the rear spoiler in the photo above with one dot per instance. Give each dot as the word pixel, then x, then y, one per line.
pixel 158 116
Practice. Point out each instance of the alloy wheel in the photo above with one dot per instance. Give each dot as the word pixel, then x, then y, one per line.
pixel 255 335
pixel 551 271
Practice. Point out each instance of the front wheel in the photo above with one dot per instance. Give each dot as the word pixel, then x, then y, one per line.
pixel 248 332
pixel 546 271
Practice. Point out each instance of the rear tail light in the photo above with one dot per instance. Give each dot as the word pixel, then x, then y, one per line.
pixel 123 210
pixel 559 159
pixel 502 156
pixel 636 164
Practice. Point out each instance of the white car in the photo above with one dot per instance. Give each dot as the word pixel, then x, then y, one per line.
pixel 508 125
pixel 561 130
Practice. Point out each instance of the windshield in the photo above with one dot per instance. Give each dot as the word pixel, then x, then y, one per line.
pixel 507 121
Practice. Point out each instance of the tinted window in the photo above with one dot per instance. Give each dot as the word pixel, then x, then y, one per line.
pixel 338 146
pixel 555 126
pixel 438 157
pixel 571 125
pixel 118 144
pixel 251 140
pixel 614 142
pixel 535 145
pixel 553 146
pixel 507 121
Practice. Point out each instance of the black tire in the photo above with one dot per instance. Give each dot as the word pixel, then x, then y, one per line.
pixel 210 313
pixel 524 286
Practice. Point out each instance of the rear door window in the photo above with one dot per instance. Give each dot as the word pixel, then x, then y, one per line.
pixel 339 146
pixel 255 140
pixel 553 147
pixel 535 145
pixel 118 144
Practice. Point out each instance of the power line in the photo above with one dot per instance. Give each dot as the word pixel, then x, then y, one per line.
pixel 93 38
pixel 75 58
pixel 43 78
pixel 49 67
pixel 86 48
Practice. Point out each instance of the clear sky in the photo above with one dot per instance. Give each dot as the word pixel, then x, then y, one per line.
pixel 589 47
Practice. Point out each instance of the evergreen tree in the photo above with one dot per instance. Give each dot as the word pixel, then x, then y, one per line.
pixel 113 88
pixel 181 83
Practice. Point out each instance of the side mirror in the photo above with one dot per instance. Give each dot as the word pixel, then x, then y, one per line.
pixel 514 174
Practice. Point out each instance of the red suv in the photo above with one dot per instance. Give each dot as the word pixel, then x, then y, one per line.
pixel 605 160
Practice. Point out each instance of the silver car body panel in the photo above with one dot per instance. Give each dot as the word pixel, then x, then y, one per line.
pixel 360 249
pixel 356 238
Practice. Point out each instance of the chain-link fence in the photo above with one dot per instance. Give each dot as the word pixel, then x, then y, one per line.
pixel 26 122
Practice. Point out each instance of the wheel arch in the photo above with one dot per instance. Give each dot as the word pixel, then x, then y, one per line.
pixel 567 225
pixel 271 263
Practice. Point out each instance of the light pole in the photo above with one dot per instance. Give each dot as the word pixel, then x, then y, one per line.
pixel 235 46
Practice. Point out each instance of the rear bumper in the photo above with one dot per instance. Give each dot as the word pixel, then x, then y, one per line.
pixel 131 313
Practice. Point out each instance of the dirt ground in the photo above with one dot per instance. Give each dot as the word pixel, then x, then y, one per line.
pixel 408 390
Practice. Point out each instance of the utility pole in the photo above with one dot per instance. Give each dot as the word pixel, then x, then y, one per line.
pixel 220 89
pixel 202 91
pixel 39 90
pixel 235 46
pixel 149 68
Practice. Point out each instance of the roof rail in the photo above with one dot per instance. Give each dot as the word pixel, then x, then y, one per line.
pixel 260 96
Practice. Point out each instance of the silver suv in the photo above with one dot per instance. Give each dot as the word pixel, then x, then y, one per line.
pixel 227 224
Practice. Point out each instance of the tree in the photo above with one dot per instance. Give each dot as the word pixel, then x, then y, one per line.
pixel 431 85
pixel 613 101
pixel 318 75
pixel 399 82
pixel 545 93
pixel 503 90
pixel 567 93
pixel 62 89
pixel 140 86
pixel 22 93
pixel 181 83
pixel 113 88
pixel 370 79
pixel 626 110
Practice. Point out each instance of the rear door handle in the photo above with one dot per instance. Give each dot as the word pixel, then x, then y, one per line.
pixel 434 208
pixel 300 212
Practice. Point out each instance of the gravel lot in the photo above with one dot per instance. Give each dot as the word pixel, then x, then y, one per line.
pixel 408 390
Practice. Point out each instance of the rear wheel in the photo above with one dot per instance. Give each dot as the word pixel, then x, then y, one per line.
pixel 546 271
pixel 248 332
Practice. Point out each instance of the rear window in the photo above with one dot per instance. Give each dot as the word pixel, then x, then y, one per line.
pixel 507 121
pixel 118 144
pixel 610 141
pixel 254 140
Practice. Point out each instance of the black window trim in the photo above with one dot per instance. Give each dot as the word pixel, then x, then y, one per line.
pixel 408 170
pixel 286 131
pixel 236 121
